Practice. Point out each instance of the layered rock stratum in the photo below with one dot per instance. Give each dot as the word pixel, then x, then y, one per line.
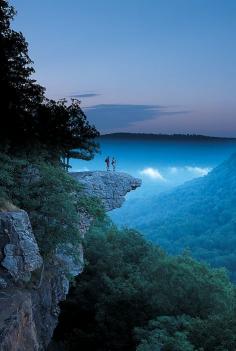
pixel 31 289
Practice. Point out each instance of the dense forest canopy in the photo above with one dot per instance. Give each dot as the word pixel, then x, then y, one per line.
pixel 132 296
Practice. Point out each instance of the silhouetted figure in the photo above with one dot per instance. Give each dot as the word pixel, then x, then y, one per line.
pixel 107 160
pixel 113 162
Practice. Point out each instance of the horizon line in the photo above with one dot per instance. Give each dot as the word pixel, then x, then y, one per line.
pixel 166 134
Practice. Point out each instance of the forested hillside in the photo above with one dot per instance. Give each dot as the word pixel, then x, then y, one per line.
pixel 199 216
pixel 132 296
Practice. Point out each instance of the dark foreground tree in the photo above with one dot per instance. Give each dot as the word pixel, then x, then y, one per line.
pixel 28 119
pixel 20 94
pixel 64 129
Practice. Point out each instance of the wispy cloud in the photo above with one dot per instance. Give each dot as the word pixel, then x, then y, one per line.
pixel 173 170
pixel 84 95
pixel 115 116
pixel 84 169
pixel 152 173
pixel 199 171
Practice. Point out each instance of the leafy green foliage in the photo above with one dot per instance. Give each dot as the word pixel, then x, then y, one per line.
pixel 129 282
pixel 6 177
pixel 49 195
pixel 183 333
pixel 49 201
pixel 166 334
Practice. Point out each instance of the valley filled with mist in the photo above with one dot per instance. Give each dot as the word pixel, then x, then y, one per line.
pixel 187 201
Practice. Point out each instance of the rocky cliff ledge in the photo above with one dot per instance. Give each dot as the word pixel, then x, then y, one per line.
pixel 110 187
pixel 30 289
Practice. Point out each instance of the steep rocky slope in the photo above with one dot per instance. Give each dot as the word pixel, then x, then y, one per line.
pixel 30 289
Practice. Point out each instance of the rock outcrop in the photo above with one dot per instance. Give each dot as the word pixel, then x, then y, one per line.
pixel 30 289
pixel 19 260
pixel 18 246
pixel 110 187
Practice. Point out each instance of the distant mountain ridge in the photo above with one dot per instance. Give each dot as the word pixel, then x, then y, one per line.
pixel 151 136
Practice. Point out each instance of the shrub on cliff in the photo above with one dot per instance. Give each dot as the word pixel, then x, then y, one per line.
pixel 129 282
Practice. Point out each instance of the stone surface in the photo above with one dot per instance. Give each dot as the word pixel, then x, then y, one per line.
pixel 110 187
pixel 46 295
pixel 85 220
pixel 18 331
pixel 20 250
pixel 3 283
pixel 19 258
pixel 71 257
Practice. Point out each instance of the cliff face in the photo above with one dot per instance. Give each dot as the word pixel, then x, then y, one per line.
pixel 30 289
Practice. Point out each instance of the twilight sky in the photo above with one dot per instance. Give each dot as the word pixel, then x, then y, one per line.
pixel 161 66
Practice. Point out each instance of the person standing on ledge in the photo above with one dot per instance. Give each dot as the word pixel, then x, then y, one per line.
pixel 107 160
pixel 113 162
